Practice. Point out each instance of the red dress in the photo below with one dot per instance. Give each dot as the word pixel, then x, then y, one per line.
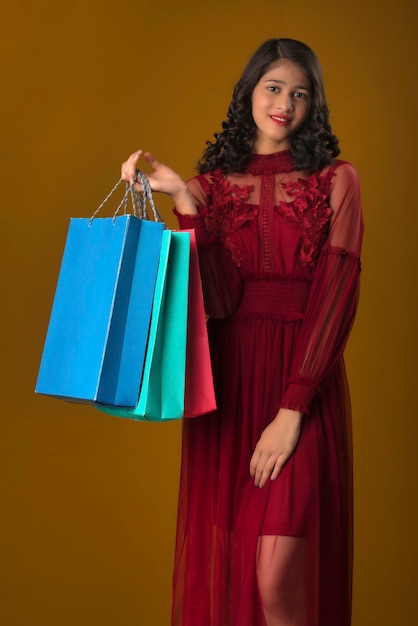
pixel 279 253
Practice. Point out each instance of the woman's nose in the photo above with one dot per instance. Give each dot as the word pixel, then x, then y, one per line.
pixel 285 102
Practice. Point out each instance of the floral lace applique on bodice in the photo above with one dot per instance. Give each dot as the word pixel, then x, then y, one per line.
pixel 228 209
pixel 309 207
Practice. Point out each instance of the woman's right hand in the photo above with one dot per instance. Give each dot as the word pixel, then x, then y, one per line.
pixel 162 179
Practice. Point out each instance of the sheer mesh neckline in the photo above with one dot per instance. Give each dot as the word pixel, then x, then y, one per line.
pixel 275 163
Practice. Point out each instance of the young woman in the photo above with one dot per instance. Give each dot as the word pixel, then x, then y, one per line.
pixel 265 511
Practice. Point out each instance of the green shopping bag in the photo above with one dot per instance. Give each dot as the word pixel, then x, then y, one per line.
pixel 163 382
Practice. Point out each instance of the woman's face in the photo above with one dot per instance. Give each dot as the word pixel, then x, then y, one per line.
pixel 280 104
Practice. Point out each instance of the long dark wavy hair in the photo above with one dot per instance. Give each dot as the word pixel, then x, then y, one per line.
pixel 313 145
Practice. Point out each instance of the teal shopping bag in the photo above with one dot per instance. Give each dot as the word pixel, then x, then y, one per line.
pixel 163 383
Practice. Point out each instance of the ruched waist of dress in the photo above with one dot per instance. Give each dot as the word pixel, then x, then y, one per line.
pixel 282 299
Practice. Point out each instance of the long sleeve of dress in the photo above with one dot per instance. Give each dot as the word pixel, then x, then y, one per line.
pixel 333 297
pixel 221 282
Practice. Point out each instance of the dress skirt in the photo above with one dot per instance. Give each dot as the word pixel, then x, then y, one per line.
pixel 222 514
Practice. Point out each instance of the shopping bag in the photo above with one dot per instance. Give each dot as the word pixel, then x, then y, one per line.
pixel 157 387
pixel 163 383
pixel 199 391
pixel 98 329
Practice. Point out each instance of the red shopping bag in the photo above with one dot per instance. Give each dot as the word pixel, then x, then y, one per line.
pixel 199 391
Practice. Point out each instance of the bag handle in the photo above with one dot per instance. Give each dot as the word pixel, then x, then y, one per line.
pixel 139 199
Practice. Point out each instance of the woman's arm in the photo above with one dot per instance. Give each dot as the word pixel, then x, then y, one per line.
pixel 325 328
pixel 222 286
pixel 333 297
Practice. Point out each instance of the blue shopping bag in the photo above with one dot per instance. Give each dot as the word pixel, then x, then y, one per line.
pixel 162 394
pixel 95 345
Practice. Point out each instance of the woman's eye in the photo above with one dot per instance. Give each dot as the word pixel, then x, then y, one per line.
pixel 299 94
pixel 273 88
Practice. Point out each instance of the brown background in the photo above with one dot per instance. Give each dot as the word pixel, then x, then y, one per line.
pixel 88 501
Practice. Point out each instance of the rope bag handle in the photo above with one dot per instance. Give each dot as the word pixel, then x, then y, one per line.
pixel 139 199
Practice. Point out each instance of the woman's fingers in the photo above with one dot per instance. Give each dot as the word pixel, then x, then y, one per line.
pixel 151 160
pixel 277 468
pixel 275 446
pixel 162 178
pixel 129 167
pixel 259 466
pixel 264 467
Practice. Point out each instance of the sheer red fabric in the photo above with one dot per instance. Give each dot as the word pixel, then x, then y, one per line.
pixel 279 254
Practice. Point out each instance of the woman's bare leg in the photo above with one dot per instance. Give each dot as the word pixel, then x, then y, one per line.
pixel 281 566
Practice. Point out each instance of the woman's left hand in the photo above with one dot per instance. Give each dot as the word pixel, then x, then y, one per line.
pixel 275 446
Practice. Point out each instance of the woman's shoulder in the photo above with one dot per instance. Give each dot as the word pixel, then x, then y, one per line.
pixel 211 187
pixel 340 174
pixel 217 183
pixel 204 181
pixel 341 167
